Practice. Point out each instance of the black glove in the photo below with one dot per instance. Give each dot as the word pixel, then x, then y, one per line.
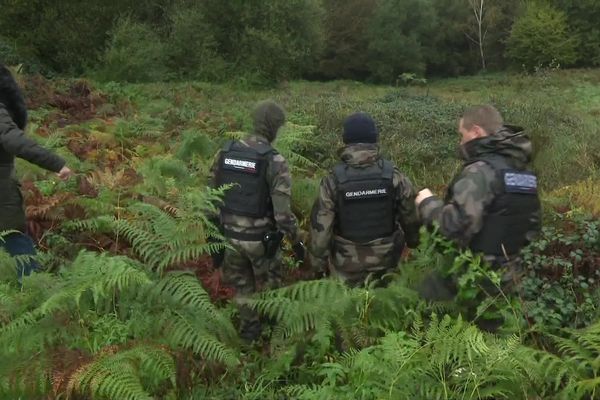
pixel 299 251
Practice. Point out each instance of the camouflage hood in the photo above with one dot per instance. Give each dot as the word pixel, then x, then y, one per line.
pixel 268 117
pixel 509 141
pixel 360 154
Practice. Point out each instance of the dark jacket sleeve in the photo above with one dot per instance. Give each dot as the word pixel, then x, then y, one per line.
pixel 322 221
pixel 14 141
pixel 406 209
pixel 462 216
pixel 280 180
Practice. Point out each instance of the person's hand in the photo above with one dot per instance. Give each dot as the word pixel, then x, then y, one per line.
pixel 65 173
pixel 423 194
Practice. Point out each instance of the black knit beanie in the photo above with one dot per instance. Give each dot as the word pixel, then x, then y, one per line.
pixel 360 128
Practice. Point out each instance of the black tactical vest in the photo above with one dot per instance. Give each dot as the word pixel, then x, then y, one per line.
pixel 365 201
pixel 245 168
pixel 511 215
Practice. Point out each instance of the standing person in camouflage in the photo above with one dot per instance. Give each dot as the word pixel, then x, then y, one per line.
pixel 14 143
pixel 256 211
pixel 365 212
pixel 492 207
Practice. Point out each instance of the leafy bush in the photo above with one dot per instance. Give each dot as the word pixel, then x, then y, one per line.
pixel 561 288
pixel 541 38
pixel 192 47
pixel 135 54
pixel 346 25
pixel 65 36
pixel 398 38
pixel 582 17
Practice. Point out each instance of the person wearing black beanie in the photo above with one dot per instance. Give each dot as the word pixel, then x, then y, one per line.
pixel 360 128
pixel 365 213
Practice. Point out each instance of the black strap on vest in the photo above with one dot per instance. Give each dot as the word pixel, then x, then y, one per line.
pixel 248 237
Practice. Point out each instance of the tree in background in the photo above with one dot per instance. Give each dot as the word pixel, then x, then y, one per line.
pixel 66 35
pixel 500 17
pixel 479 14
pixel 583 17
pixel 346 43
pixel 136 54
pixel 193 51
pixel 282 39
pixel 541 38
pixel 454 53
pixel 268 39
pixel 401 38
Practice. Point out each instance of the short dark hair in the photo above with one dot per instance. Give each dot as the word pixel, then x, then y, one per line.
pixel 12 98
pixel 486 116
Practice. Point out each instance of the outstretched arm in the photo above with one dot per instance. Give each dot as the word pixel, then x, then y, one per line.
pixel 462 216
pixel 14 141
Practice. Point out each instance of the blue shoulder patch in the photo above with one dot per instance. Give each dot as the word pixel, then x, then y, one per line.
pixel 520 182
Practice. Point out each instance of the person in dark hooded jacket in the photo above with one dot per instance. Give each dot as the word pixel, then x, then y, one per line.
pixel 14 143
pixel 256 211
pixel 492 206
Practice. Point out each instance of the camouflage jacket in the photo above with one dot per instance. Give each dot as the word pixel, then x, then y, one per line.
pixel 385 252
pixel 280 182
pixel 461 216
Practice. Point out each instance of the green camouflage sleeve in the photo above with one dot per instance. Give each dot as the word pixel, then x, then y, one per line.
pixel 462 216
pixel 212 174
pixel 212 183
pixel 321 224
pixel 406 210
pixel 281 194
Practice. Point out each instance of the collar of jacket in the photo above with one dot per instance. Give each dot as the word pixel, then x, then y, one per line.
pixel 360 154
pixel 510 142
pixel 253 137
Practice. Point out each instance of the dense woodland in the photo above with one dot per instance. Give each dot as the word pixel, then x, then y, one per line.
pixel 138 96
pixel 261 41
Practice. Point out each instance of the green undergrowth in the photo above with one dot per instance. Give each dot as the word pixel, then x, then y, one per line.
pixel 128 305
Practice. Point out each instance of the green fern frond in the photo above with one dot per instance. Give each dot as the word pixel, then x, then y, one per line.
pixel 119 376
pixel 101 223
pixel 19 325
pixel 193 336
pixel 190 252
pixel 100 274
pixel 7 294
pixel 186 291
